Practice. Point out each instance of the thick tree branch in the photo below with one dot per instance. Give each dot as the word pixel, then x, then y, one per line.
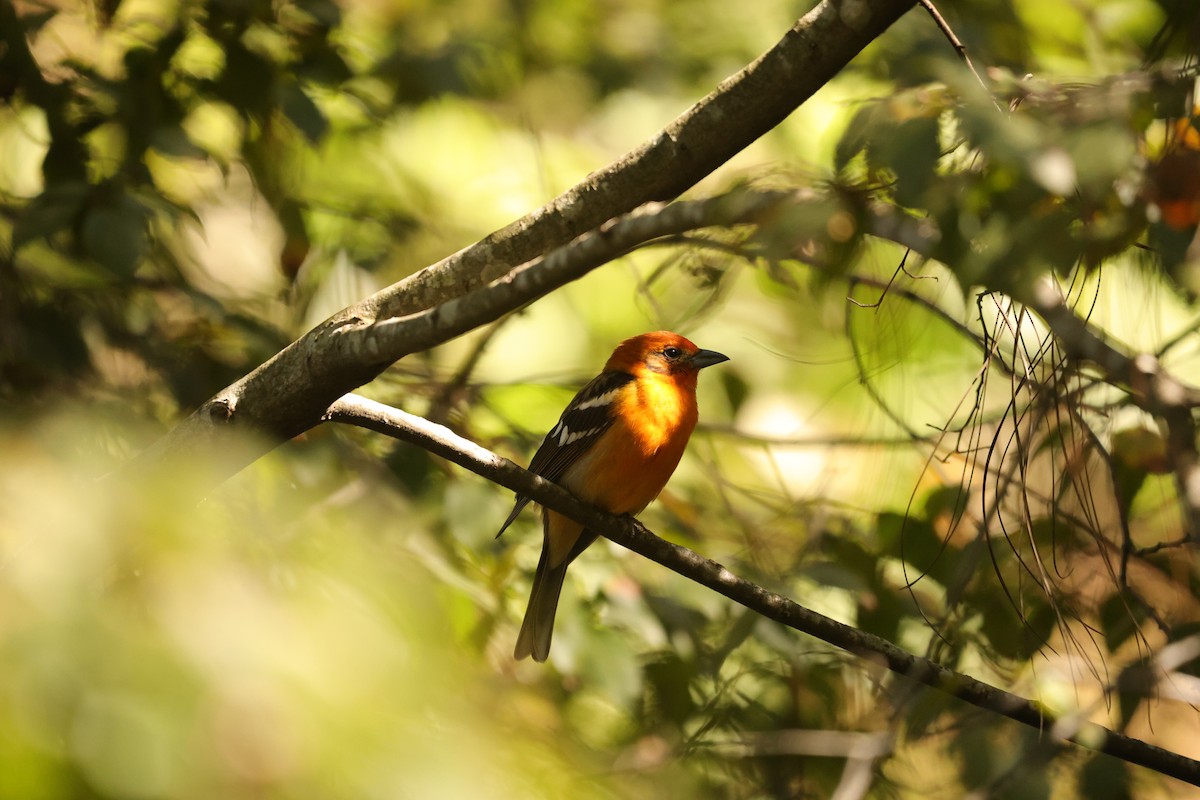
pixel 629 533
pixel 287 395
pixel 739 111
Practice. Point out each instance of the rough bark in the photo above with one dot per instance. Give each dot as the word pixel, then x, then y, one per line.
pixel 287 395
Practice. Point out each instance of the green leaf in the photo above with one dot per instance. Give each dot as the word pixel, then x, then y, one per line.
pixel 1105 778
pixel 325 12
pixel 914 540
pixel 326 67
pixel 1134 684
pixel 911 151
pixel 32 21
pixel 1178 634
pixel 172 140
pixel 669 679
pixel 1119 620
pixel 303 112
pixel 246 81
pixel 856 136
pixel 736 388
pixel 950 500
pixel 114 234
pixel 881 610
pixel 1015 633
pixel 835 575
pixel 50 212
pixel 852 556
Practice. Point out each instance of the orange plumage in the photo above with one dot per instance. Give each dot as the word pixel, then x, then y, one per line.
pixel 615 446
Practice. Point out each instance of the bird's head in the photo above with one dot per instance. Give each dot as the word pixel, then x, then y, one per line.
pixel 662 354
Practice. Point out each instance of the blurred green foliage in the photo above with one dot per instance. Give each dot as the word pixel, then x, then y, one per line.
pixel 187 187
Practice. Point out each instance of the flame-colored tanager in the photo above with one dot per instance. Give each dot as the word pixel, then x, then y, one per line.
pixel 615 446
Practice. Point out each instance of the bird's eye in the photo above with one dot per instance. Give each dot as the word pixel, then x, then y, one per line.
pixel 672 352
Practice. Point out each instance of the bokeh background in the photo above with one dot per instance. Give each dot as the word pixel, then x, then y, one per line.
pixel 186 187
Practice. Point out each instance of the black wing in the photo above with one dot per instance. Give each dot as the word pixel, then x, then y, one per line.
pixel 586 417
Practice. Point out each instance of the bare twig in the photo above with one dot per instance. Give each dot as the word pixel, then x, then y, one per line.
pixel 861 751
pixel 957 44
pixel 818 441
pixel 450 393
pixel 1151 388
pixel 629 533
pixel 829 744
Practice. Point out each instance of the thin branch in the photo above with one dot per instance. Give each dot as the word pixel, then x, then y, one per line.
pixel 1151 388
pixel 827 744
pixel 450 393
pixel 956 43
pixel 818 441
pixel 630 533
pixel 1154 548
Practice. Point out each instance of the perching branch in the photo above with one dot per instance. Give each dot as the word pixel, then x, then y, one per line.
pixel 629 533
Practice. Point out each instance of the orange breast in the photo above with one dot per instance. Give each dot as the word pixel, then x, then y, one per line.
pixel 633 461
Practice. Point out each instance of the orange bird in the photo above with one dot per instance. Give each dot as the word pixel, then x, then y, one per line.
pixel 615 446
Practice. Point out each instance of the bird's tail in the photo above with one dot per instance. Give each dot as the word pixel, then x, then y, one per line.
pixel 538 627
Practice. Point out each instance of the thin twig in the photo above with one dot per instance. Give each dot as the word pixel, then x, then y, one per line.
pixel 1152 388
pixel 958 46
pixel 450 392
pixel 1154 548
pixel 818 441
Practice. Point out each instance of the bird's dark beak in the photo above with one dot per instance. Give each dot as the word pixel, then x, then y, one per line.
pixel 706 358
